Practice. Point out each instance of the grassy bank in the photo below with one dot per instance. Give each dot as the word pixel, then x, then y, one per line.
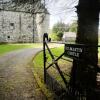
pixel 4 48
pixel 65 66
pixel 39 58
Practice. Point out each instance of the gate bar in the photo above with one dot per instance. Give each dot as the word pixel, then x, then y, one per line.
pixel 45 36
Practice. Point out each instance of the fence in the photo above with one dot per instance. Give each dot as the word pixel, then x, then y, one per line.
pixel 73 51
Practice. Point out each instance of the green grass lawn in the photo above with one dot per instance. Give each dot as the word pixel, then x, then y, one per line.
pixel 39 58
pixel 56 51
pixel 64 65
pixel 4 48
pixel 38 62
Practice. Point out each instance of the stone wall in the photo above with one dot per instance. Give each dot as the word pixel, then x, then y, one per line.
pixel 22 27
pixel 16 27
pixel 42 22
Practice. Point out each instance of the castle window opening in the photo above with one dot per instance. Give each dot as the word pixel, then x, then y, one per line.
pixel 29 26
pixel 11 24
pixel 8 37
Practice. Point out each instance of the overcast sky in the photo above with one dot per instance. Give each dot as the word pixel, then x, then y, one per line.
pixel 61 10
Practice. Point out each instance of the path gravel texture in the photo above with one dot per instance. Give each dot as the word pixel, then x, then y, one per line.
pixel 16 78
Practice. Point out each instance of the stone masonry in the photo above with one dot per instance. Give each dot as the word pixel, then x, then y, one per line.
pixel 21 26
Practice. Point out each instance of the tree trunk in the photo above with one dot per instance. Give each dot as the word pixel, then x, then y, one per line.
pixel 84 72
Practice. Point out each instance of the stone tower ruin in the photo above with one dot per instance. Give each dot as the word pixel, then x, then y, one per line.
pixel 25 22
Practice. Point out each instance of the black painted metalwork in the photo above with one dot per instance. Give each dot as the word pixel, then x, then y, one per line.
pixel 74 94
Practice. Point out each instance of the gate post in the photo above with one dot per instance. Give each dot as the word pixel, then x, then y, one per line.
pixel 45 36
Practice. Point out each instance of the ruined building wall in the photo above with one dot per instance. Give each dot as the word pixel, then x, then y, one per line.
pixel 22 27
pixel 42 22
pixel 16 27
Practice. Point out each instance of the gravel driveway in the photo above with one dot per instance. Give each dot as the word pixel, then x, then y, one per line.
pixel 16 78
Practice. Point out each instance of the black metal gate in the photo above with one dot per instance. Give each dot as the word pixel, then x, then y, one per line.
pixel 74 51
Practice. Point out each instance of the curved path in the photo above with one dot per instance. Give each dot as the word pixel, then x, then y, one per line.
pixel 16 78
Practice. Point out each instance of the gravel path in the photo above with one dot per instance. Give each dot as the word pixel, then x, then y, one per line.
pixel 16 78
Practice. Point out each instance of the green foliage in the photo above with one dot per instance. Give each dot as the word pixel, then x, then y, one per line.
pixel 54 37
pixel 58 30
pixel 59 34
pixel 60 27
pixel 73 27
